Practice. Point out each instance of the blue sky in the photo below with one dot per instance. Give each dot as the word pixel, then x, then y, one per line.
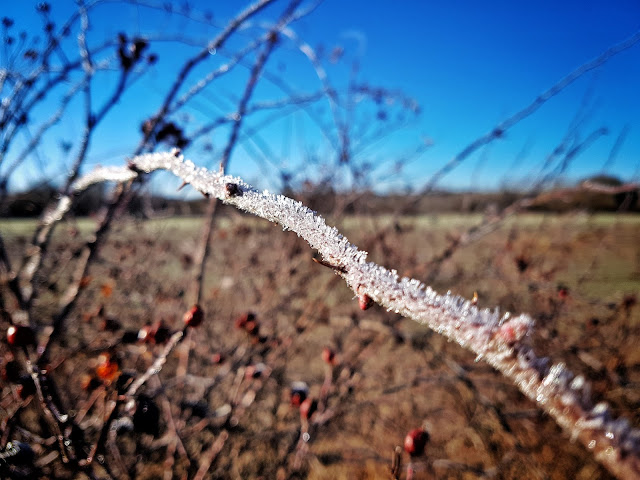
pixel 468 65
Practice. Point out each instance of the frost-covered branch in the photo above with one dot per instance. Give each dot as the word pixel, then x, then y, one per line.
pixel 499 339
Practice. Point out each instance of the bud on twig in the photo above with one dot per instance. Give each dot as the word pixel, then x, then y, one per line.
pixel 364 301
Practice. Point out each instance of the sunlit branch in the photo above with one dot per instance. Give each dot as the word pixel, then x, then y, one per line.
pixel 501 340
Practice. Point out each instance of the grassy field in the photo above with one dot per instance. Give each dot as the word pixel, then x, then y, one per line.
pixel 577 275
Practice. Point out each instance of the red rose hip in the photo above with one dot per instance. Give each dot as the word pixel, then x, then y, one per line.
pixel 194 316
pixel 20 336
pixel 329 356
pixel 364 301
pixel 415 442
pixel 299 392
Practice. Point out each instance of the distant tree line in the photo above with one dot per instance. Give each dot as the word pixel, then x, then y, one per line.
pixel 31 203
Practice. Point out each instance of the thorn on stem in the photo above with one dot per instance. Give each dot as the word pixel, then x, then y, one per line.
pixel 327 264
pixel 396 463
pixel 133 167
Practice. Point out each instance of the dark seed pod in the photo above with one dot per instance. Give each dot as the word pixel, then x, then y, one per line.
pixel 139 45
pixel 26 387
pixel 125 60
pixel 11 371
pixel 308 408
pixel 198 409
pixel 124 381
pixel 111 324
pixel 161 333
pixel 563 292
pixel 252 327
pixel 242 320
pixel 629 301
pixel 129 336
pixel 329 356
pixel 132 166
pixel 255 371
pixel 217 358
pixel 232 189
pixel 146 418
pixel 20 336
pixel 90 382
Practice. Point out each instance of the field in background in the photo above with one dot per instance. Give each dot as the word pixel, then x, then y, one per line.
pixel 577 275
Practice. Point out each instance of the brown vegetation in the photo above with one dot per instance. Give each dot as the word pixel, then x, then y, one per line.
pixel 390 375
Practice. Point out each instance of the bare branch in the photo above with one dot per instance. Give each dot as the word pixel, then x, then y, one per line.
pixel 44 127
pixel 216 43
pixel 209 456
pixel 157 364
